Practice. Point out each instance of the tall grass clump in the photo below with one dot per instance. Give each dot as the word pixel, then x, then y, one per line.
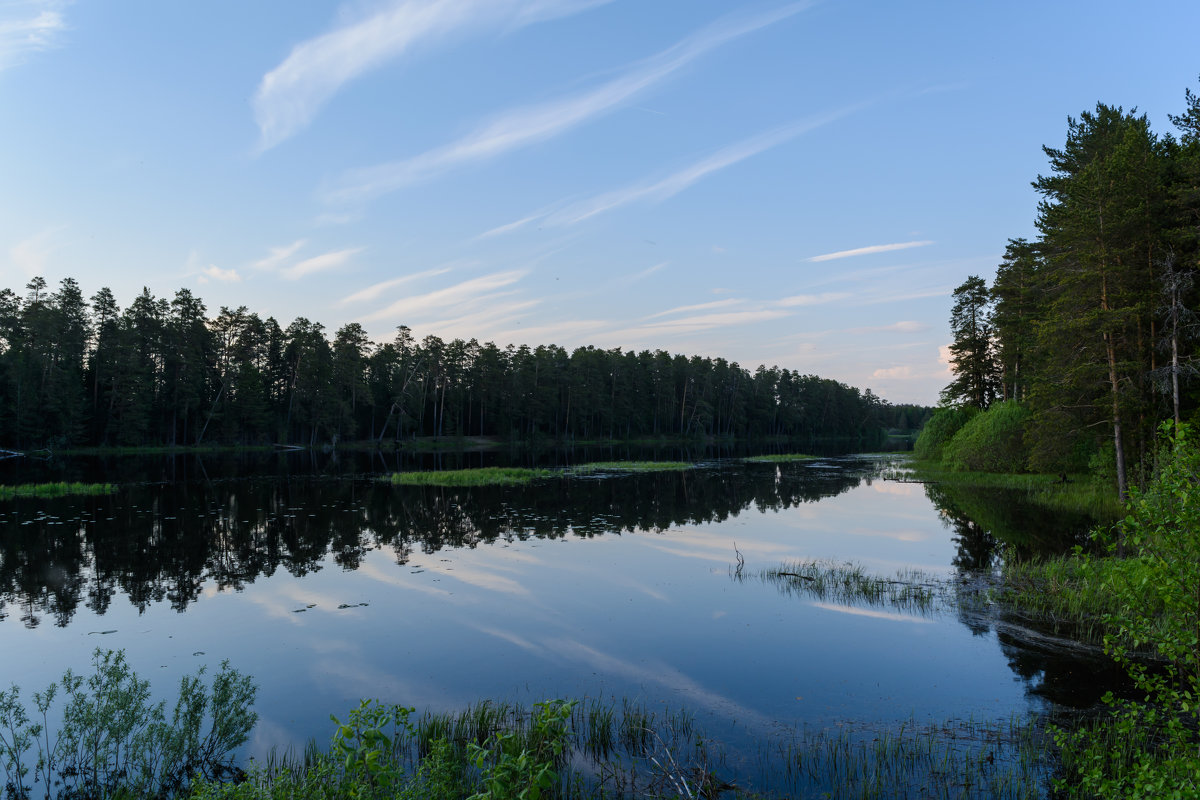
pixel 940 429
pixel 993 441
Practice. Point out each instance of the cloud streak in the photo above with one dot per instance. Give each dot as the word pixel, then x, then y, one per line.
pixel 866 251
pixel 657 191
pixel 374 290
pixel 526 126
pixel 321 263
pixel 38 30
pixel 290 95
pixel 458 298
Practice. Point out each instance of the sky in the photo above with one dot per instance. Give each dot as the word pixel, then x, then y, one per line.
pixel 798 184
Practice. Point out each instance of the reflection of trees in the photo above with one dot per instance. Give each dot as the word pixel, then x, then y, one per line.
pixel 981 518
pixel 1056 669
pixel 155 543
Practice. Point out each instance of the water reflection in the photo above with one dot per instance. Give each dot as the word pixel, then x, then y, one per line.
pixel 165 542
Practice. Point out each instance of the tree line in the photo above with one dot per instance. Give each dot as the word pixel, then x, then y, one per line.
pixel 162 372
pixel 1090 329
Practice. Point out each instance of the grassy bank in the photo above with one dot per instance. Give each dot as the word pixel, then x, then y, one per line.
pixel 60 489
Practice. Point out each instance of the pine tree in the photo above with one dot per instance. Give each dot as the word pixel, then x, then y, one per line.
pixel 972 353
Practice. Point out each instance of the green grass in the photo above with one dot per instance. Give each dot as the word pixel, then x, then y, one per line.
pixel 630 466
pixel 482 476
pixel 778 458
pixel 1080 494
pixel 60 489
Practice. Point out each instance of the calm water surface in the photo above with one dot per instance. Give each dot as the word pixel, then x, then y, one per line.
pixel 329 586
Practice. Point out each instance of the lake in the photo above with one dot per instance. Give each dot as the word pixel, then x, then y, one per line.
pixel 328 585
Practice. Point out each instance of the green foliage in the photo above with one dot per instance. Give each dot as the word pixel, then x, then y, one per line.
pixel 1153 630
pixel 513 767
pixel 940 429
pixel 990 442
pixel 112 740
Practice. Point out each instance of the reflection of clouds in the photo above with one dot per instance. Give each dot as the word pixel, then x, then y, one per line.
pixel 870 612
pixel 355 678
pixel 899 535
pixel 897 489
pixel 283 602
pixel 511 638
pixel 659 674
pixel 390 578
pixel 693 543
pixel 479 578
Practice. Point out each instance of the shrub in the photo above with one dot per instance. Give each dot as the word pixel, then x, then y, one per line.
pixel 940 429
pixel 990 442
pixel 113 741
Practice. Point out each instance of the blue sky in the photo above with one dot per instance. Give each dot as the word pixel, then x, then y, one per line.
pixel 797 184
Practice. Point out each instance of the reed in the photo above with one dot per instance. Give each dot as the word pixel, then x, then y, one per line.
pixel 909 590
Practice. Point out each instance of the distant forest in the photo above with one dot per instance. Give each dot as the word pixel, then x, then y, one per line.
pixel 74 373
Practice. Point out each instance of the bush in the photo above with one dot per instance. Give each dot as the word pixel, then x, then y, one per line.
pixel 940 429
pixel 113 741
pixel 1154 595
pixel 993 441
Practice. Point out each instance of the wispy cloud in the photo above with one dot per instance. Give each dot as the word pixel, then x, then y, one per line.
pixel 664 188
pixel 215 273
pixel 461 296
pixel 321 263
pixel 32 255
pixel 291 95
pixel 374 290
pixel 866 251
pixel 277 260
pixel 920 294
pixel 811 299
pixel 278 255
pixel 525 126
pixel 703 322
pixel 29 27
pixel 698 307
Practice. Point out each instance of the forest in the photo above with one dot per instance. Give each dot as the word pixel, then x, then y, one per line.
pixel 75 373
pixel 1088 338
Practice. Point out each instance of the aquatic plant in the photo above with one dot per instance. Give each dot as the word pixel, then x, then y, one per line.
pixel 630 466
pixel 849 583
pixel 778 458
pixel 55 489
pixel 482 476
